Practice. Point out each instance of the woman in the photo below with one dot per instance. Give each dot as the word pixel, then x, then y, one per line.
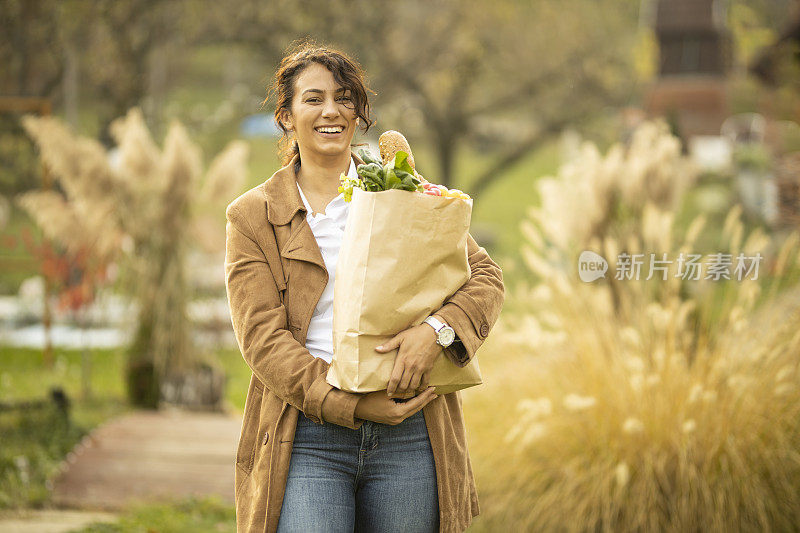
pixel 312 457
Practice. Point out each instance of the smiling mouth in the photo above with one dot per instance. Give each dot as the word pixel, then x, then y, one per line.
pixel 329 130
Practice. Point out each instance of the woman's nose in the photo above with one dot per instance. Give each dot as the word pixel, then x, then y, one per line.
pixel 330 109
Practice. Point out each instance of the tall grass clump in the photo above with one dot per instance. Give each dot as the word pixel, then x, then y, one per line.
pixel 647 405
pixel 143 208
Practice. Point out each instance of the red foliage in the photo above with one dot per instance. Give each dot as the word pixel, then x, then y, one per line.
pixel 9 242
pixel 75 277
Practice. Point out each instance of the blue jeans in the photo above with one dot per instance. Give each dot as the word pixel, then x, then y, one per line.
pixel 378 478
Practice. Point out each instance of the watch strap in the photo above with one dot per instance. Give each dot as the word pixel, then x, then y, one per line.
pixel 435 323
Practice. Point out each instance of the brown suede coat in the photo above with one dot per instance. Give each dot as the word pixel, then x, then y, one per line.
pixel 268 242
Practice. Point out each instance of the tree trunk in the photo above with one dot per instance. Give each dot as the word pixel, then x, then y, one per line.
pixel 162 350
pixel 71 86
pixel 142 379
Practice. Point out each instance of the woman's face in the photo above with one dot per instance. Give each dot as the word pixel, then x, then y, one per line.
pixel 323 116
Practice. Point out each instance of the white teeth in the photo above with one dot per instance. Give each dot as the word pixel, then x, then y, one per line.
pixel 330 130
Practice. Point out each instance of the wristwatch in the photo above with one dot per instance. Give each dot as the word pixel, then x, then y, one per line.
pixel 445 335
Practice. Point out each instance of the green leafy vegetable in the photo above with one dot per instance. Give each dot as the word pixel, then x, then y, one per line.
pixel 401 162
pixel 392 181
pixel 367 157
pixel 375 177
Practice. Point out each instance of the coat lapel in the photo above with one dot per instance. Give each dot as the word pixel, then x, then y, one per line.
pixel 284 206
pixel 302 245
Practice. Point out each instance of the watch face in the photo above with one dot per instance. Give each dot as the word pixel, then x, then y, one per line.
pixel 446 336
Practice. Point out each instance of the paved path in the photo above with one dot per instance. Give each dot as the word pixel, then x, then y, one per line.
pixel 150 456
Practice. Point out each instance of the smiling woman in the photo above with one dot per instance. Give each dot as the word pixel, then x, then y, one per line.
pixel 311 457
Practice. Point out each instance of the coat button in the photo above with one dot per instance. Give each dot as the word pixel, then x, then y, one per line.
pixel 484 329
pixel 266 438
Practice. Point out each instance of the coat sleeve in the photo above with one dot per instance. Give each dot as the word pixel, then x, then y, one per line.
pixel 474 308
pixel 259 320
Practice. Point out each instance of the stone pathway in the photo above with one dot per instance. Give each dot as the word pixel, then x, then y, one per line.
pixel 150 456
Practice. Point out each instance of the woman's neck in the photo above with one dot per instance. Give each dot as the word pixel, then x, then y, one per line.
pixel 320 174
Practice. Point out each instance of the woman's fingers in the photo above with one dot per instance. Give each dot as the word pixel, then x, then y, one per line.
pixel 418 402
pixel 402 397
pixel 413 383
pixel 404 386
pixel 406 381
pixel 417 385
pixel 394 379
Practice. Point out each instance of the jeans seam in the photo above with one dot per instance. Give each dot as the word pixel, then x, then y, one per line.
pixel 359 466
pixel 362 451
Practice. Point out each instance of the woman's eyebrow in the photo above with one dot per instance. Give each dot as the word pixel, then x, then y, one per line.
pixel 339 90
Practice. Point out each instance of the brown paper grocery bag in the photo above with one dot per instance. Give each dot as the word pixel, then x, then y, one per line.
pixel 403 255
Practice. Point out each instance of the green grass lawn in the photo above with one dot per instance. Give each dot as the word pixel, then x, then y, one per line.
pixel 189 516
pixel 17 261
pixel 35 441
pixel 238 374
pixel 24 376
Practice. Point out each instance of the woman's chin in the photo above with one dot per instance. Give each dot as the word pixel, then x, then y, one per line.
pixel 330 149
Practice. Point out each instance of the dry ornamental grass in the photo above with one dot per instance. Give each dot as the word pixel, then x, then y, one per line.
pixel 662 405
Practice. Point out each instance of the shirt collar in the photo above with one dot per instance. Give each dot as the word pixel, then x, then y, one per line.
pixel 282 196
pixel 337 201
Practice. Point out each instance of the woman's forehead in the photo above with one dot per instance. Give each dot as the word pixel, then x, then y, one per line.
pixel 316 77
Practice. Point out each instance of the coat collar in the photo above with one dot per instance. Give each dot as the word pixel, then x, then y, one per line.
pixel 282 196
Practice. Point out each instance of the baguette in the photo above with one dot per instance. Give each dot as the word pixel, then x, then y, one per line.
pixel 390 142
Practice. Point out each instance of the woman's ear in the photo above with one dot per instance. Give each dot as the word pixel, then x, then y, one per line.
pixel 286 120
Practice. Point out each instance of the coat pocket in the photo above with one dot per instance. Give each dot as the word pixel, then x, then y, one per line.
pixel 245 453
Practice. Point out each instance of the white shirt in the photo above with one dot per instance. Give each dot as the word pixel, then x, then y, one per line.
pixel 328 229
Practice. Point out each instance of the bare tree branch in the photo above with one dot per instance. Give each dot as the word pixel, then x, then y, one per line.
pixel 513 156
pixel 592 86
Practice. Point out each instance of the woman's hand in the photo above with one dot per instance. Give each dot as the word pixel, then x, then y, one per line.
pixel 417 350
pixel 378 407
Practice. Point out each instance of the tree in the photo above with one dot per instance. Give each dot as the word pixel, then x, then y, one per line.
pixel 546 66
